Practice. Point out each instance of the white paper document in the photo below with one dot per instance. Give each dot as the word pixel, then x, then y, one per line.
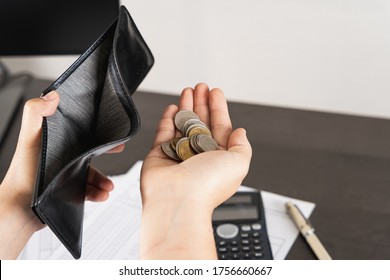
pixel 112 228
pixel 281 229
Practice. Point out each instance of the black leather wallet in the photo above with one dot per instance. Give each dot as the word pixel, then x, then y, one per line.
pixel 95 114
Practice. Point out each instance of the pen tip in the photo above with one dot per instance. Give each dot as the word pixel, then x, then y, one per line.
pixel 289 204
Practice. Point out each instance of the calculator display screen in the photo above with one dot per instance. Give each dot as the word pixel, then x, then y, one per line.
pixel 238 207
pixel 235 212
pixel 236 199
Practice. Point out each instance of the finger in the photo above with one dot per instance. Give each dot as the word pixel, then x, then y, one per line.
pixel 117 149
pixel 186 99
pixel 201 102
pixel 238 142
pixel 97 180
pixel 97 195
pixel 221 126
pixel 33 113
pixel 98 186
pixel 166 127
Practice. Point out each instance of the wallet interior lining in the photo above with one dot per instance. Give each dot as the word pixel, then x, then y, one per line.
pixel 89 114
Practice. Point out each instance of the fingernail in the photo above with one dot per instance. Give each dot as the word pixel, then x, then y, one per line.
pixel 50 96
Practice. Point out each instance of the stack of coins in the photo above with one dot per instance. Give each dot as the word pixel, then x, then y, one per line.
pixel 197 138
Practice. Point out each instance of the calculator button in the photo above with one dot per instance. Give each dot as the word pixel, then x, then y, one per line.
pixel 247 255
pixel 245 242
pixel 256 241
pixel 244 235
pixel 246 248
pixel 258 248
pixel 223 256
pixel 259 255
pixel 222 243
pixel 236 256
pixel 227 231
pixel 234 243
pixel 245 228
pixel 256 234
pixel 234 249
pixel 222 250
pixel 256 226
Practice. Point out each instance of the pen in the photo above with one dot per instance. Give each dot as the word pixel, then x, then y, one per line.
pixel 307 231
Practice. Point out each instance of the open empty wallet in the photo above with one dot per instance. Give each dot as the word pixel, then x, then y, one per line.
pixel 95 114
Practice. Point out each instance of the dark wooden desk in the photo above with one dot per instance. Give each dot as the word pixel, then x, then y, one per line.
pixel 342 163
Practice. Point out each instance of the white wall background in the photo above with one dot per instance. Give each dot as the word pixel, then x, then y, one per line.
pixel 327 55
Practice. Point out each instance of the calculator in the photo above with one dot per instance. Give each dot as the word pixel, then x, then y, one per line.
pixel 240 230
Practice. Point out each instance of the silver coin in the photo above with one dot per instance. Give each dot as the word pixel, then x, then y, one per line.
pixel 206 143
pixel 167 149
pixel 182 116
pixel 190 123
pixel 193 143
pixel 174 142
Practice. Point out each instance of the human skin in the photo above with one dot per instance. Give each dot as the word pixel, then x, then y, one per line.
pixel 179 198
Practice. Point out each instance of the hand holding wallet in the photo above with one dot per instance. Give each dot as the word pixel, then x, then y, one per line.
pixel 95 114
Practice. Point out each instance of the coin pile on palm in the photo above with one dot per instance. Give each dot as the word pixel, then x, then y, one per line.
pixel 197 138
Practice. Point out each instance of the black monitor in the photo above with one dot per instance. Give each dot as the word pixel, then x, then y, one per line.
pixel 45 27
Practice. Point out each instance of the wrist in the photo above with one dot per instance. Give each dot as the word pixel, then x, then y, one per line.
pixel 177 230
pixel 17 224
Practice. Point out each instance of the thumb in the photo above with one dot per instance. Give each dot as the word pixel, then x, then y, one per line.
pixel 238 142
pixel 33 113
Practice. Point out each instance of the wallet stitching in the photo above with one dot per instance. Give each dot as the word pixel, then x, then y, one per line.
pixel 133 128
pixel 44 153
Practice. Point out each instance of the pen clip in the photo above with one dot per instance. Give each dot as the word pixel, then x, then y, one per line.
pixel 304 225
